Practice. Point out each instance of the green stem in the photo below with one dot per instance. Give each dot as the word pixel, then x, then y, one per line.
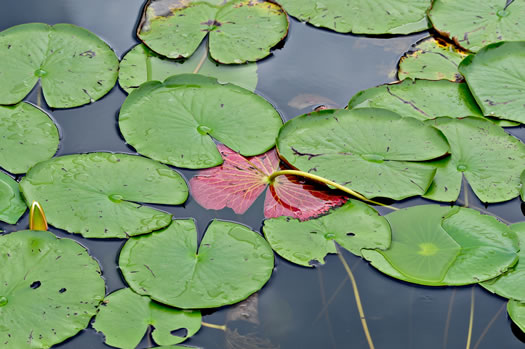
pixel 203 59
pixel 39 95
pixel 465 192
pixel 471 320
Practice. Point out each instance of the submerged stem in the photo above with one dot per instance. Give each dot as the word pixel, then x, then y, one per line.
pixel 465 192
pixel 449 316
pixel 217 327
pixel 203 59
pixel 39 95
pixel 471 320
pixel 486 330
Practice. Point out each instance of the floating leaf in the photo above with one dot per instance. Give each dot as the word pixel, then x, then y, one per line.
pixel 239 181
pixel 125 317
pixel 174 122
pixel 489 158
pixel 75 67
pixel 523 186
pixel 516 312
pixel 496 77
pixel 354 226
pixel 362 16
pixel 420 99
pixel 27 135
pixel 239 30
pixel 437 246
pixel 50 289
pixel 366 150
pixel 93 194
pixel 474 25
pixel 12 206
pixel 141 64
pixel 231 263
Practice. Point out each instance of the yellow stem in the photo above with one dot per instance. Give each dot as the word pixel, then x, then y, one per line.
pixel 203 59
pixel 37 218
pixel 217 327
pixel 471 320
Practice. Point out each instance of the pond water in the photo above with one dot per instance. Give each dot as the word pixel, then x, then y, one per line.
pixel 299 307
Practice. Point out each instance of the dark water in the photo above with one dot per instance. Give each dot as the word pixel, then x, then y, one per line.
pixel 299 307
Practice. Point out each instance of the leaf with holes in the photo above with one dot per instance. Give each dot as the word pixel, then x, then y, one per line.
pixel 12 205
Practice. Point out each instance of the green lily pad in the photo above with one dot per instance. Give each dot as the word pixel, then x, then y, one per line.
pixel 362 16
pixel 174 122
pixel 12 206
pixel 95 194
pixel 125 317
pixel 141 64
pixel 366 150
pixel 27 136
pixel 354 226
pixel 473 26
pixel 438 246
pixel 516 312
pixel 239 30
pixel 523 186
pixel 496 77
pixel 231 263
pixel 75 66
pixel 50 289
pixel 420 99
pixel 489 158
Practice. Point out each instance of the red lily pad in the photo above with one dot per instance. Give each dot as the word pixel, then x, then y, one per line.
pixel 239 181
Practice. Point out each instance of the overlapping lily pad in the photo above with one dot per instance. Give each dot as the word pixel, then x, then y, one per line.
pixel 354 226
pixel 366 150
pixel 50 289
pixel 12 206
pixel 231 263
pixel 75 67
pixel 141 64
pixel 474 25
pixel 174 122
pixel 95 194
pixel 489 158
pixel 362 16
pixel 437 246
pixel 27 136
pixel 238 30
pixel 125 317
pixel 516 312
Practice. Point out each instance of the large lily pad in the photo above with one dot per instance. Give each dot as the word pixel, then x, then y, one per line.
pixel 141 64
pixel 362 16
pixel 496 77
pixel 474 25
pixel 174 122
pixel 239 30
pixel 489 158
pixel 95 194
pixel 125 317
pixel 516 312
pixel 437 246
pixel 27 136
pixel 231 263
pixel 354 226
pixel 50 289
pixel 12 206
pixel 75 66
pixel 366 150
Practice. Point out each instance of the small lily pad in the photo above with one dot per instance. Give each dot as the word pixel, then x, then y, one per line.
pixel 231 263
pixel 516 312
pixel 125 317
pixel 27 136
pixel 141 64
pixel 95 194
pixel 50 289
pixel 354 226
pixel 12 206
pixel 239 30
pixel 174 122
pixel 75 66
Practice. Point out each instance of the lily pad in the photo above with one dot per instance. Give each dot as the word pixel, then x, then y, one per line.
pixel 239 30
pixel 95 194
pixel 12 206
pixel 438 246
pixel 27 136
pixel 354 226
pixel 239 181
pixel 365 149
pixel 75 67
pixel 125 317
pixel 174 122
pixel 231 263
pixel 362 16
pixel 141 64
pixel 50 289
pixel 516 312
pixel 474 25
pixel 496 77
pixel 523 186
pixel 420 99
pixel 489 158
